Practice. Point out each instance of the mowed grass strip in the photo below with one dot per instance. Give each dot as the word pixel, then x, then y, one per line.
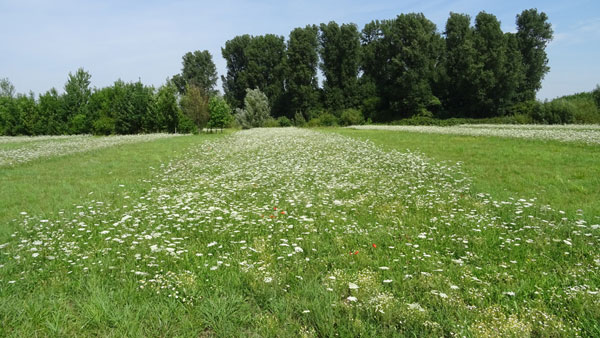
pixel 46 186
pixel 565 176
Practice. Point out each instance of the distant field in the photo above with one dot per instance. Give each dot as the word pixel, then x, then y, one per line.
pixel 14 150
pixel 564 175
pixel 295 232
pixel 583 133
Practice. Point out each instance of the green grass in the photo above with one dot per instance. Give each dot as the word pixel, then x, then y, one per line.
pixel 565 176
pixel 267 233
pixel 45 186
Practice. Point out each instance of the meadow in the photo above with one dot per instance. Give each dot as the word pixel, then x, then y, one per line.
pixel 298 232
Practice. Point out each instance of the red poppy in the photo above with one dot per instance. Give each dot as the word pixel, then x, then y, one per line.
pixel 274 208
pixel 272 216
pixel 374 245
pixel 356 252
pixel 283 212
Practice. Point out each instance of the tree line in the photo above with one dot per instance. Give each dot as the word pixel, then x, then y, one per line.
pixel 390 70
pixel 394 69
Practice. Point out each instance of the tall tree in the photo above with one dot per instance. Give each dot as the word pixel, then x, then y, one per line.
pixel 194 104
pixel 77 95
pixel 498 67
pixel 402 57
pixel 460 67
pixel 266 69
pixel 236 81
pixel 167 108
pixel 255 62
pixel 6 88
pixel 302 62
pixel 51 109
pixel 198 70
pixel 340 54
pixel 534 32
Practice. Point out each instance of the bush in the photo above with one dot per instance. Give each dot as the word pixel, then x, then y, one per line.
pixel 314 122
pixel 186 125
pixel 299 120
pixel 351 117
pixel 284 121
pixel 256 110
pixel 219 113
pixel 558 111
pixel 104 126
pixel 270 123
pixel 596 94
pixel 77 125
pixel 328 120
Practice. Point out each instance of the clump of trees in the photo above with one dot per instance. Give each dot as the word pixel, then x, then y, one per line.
pixel 393 69
pixel 187 103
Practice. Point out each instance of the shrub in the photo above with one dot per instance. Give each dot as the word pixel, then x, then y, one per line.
pixel 186 125
pixel 256 110
pixel 78 124
pixel 270 123
pixel 104 126
pixel 351 117
pixel 328 120
pixel 314 122
pixel 558 111
pixel 284 121
pixel 194 105
pixel 299 120
pixel 219 113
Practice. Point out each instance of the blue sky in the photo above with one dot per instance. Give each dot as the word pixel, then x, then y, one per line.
pixel 43 41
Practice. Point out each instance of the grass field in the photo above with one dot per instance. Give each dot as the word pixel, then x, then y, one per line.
pixel 288 232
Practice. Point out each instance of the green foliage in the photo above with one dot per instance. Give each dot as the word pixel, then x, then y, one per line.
pixel 460 68
pixel 301 71
pixel 497 76
pixel 77 94
pixel 220 113
pixel 401 58
pixel 256 110
pixel 534 32
pixel 236 80
pixel 6 88
pixel 283 121
pixel 351 117
pixel 167 108
pixel 596 95
pixel 586 110
pixel 558 111
pixel 51 108
pixel 340 55
pixel 78 124
pixel 104 126
pixel 194 104
pixel 198 70
pixel 185 125
pixel 270 123
pixel 326 119
pixel 299 120
pixel 255 62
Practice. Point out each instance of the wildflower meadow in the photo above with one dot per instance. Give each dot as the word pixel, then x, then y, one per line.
pixel 291 232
